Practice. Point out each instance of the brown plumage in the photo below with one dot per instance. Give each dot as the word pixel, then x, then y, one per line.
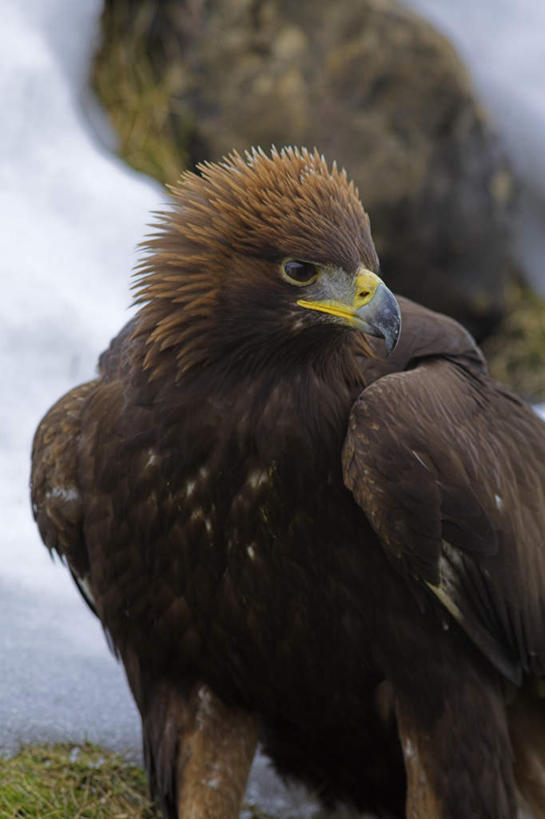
pixel 287 534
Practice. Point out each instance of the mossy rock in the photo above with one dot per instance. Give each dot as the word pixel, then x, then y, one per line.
pixel 516 350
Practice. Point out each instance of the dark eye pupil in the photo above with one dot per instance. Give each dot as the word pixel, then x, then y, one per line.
pixel 300 271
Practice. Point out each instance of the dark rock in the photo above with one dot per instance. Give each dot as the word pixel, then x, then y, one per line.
pixel 369 83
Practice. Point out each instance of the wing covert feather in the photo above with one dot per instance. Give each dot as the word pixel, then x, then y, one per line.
pixel 449 467
pixel 55 491
pixel 56 494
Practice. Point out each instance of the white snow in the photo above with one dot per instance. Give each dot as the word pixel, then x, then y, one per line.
pixel 72 216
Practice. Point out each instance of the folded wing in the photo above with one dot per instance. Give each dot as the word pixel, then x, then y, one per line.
pixel 449 467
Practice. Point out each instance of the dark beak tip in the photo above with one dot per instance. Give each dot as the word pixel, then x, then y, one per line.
pixel 391 338
pixel 390 324
pixel 381 318
pixel 389 346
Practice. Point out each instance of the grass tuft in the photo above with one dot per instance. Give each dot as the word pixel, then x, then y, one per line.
pixel 65 781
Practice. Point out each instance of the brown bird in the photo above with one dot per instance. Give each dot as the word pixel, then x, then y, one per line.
pixel 289 535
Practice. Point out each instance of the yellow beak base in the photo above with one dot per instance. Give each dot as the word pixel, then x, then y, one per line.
pixel 374 309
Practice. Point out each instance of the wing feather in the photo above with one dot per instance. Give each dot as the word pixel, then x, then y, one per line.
pixel 449 467
pixel 56 493
pixel 54 484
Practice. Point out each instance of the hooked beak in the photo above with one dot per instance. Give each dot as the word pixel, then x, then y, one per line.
pixel 374 308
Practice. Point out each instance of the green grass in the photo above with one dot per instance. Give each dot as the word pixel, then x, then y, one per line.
pixel 65 781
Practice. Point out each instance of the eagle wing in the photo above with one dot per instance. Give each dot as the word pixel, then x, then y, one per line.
pixel 449 468
pixel 55 491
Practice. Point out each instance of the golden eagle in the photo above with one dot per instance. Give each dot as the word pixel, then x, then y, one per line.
pixel 287 533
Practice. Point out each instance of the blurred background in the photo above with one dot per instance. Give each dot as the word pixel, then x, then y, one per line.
pixel 436 109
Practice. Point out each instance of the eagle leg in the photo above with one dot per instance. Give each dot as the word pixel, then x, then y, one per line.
pixel 526 716
pixel 458 755
pixel 215 758
pixel 198 751
pixel 422 801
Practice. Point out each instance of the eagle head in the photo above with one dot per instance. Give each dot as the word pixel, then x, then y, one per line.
pixel 261 254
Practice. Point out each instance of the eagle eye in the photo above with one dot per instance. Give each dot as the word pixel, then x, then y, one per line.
pixel 299 273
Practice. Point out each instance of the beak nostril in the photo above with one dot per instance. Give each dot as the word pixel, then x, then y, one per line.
pixel 365 286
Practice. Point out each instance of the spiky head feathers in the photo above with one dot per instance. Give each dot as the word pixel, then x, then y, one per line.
pixel 228 231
